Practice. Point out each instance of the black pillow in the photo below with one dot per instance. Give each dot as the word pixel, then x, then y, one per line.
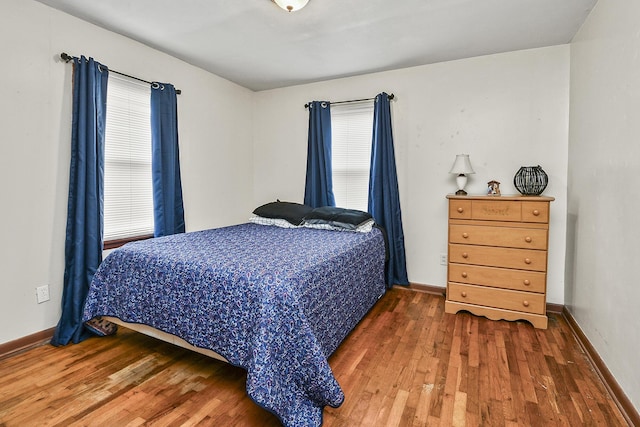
pixel 290 211
pixel 338 217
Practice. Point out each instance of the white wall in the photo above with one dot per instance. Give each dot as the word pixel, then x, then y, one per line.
pixel 505 110
pixel 35 103
pixel 602 291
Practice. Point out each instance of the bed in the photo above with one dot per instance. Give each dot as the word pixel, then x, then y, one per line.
pixel 275 301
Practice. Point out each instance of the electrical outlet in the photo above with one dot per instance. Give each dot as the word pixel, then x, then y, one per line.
pixel 443 259
pixel 42 293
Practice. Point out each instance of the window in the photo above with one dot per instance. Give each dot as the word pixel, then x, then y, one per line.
pixel 128 192
pixel 351 132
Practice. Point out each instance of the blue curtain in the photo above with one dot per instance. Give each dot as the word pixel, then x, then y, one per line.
pixel 318 189
pixel 168 209
pixel 384 199
pixel 83 244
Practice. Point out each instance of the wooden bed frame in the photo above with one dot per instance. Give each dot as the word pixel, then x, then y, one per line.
pixel 163 336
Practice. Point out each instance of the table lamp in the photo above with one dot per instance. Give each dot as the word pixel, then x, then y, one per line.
pixel 461 167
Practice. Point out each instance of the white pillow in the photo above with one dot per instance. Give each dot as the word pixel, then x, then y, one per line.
pixel 278 222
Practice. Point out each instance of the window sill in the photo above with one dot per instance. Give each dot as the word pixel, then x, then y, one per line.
pixel 112 244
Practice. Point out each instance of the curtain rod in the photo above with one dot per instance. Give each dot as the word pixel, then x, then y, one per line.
pixel 67 58
pixel 354 100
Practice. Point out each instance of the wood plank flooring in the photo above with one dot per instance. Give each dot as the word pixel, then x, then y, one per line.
pixel 406 364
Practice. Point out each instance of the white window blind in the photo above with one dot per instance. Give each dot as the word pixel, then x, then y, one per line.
pixel 351 129
pixel 128 193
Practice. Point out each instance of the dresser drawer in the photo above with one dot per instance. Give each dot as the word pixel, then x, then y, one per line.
pixel 535 212
pixel 460 209
pixel 523 259
pixel 496 210
pixel 504 210
pixel 512 237
pixel 522 280
pixel 498 298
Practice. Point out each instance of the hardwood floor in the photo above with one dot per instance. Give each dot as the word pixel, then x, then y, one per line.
pixel 406 364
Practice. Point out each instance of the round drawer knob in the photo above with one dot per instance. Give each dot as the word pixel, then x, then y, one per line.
pixel 525 303
pixel 465 235
pixel 464 294
pixel 536 212
pixel 465 255
pixel 527 261
pixel 526 282
pixel 464 274
pixel 527 239
pixel 460 210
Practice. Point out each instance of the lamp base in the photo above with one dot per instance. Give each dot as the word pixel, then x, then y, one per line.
pixel 461 180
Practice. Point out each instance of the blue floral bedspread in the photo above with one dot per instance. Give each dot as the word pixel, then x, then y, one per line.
pixel 274 301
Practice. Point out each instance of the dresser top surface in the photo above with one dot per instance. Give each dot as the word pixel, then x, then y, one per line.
pixel 502 197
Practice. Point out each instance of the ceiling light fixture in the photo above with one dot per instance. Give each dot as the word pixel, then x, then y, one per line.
pixel 291 5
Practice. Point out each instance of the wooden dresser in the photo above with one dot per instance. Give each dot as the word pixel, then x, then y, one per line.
pixel 498 257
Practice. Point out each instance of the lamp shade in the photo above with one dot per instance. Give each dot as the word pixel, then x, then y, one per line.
pixel 291 5
pixel 461 165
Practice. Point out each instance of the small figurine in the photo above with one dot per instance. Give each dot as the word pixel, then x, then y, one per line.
pixel 493 188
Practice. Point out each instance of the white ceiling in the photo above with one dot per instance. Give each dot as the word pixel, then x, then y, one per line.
pixel 259 46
